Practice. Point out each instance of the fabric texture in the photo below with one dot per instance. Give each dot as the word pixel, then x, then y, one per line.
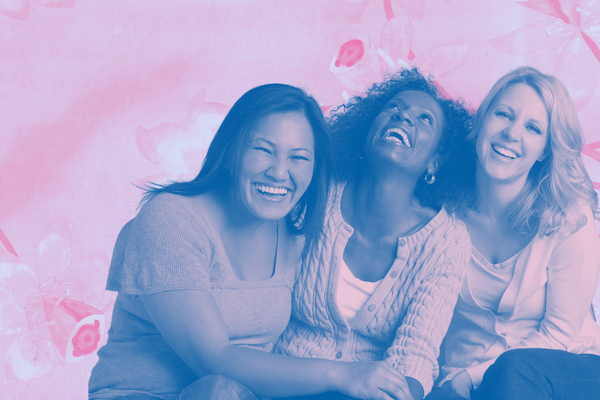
pixel 548 304
pixel 352 293
pixel 541 374
pixel 173 244
pixel 406 317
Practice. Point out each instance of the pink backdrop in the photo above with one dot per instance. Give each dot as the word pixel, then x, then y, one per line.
pixel 96 95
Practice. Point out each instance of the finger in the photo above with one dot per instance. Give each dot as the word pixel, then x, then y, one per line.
pixel 397 390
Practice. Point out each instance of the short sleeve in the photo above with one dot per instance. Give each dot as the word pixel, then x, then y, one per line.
pixel 165 247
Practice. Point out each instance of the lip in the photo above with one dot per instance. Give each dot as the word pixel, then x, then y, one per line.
pixel 505 152
pixel 388 135
pixel 271 192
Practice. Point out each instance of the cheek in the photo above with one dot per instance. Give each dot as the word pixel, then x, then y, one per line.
pixel 302 175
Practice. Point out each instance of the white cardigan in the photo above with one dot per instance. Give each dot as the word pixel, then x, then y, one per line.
pixel 548 304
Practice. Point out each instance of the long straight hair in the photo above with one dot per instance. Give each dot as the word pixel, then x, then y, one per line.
pixel 221 164
pixel 557 185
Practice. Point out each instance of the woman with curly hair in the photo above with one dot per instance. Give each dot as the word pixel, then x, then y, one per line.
pixel 384 280
pixel 523 327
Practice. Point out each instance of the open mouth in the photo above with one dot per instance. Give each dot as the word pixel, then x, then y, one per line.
pixel 271 192
pixel 398 135
pixel 504 152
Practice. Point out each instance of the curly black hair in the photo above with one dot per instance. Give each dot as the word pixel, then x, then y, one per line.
pixel 350 124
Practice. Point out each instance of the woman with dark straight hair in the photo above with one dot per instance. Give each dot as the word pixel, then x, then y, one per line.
pixel 523 326
pixel 205 270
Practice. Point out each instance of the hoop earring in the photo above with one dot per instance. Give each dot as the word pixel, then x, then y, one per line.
pixel 429 178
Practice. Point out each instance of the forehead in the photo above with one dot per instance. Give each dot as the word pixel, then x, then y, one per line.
pixel 523 97
pixel 418 98
pixel 283 127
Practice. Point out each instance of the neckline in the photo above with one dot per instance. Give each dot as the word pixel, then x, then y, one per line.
pixel 498 266
pixel 418 235
pixel 212 226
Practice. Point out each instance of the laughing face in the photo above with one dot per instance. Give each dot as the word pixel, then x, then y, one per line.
pixel 276 166
pixel 513 134
pixel 406 132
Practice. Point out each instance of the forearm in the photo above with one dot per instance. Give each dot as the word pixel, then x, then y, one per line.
pixel 274 375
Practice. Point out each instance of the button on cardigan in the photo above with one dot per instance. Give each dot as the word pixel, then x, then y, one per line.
pixel 406 317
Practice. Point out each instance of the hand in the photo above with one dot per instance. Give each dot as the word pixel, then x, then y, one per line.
pixel 374 381
pixel 461 384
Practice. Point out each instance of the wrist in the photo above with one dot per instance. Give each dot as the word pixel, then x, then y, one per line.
pixel 334 377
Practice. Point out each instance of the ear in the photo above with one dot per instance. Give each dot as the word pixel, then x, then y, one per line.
pixel 433 166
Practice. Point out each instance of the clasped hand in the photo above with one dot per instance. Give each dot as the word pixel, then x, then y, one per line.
pixel 374 381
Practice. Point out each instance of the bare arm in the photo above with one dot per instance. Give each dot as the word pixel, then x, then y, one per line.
pixel 192 325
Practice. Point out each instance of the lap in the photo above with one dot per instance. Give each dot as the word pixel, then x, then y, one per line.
pixel 217 387
pixel 541 374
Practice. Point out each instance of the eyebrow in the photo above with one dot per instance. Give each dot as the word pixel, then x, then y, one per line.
pixel 429 111
pixel 273 145
pixel 530 119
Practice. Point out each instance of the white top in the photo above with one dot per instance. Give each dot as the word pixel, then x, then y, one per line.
pixel 352 293
pixel 547 304
pixel 489 281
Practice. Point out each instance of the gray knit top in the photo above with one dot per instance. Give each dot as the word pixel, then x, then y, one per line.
pixel 173 244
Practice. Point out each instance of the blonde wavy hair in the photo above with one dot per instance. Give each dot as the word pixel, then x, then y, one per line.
pixel 558 185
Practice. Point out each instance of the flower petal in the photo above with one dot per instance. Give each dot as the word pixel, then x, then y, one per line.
pixel 17 9
pixel 85 338
pixel 57 3
pixel 55 247
pixel 171 147
pixel 360 73
pixel 64 317
pixel 577 68
pixel 30 356
pixel 352 10
pixel 591 34
pixel 548 7
pixel 205 117
pixel 17 283
pixel 415 8
pixel 396 37
pixel 525 40
pixel 441 60
pixel 76 283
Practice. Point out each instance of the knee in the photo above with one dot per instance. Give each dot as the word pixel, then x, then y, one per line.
pixel 515 374
pixel 515 364
pixel 217 387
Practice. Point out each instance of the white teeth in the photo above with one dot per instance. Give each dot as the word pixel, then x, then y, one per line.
pixel 400 136
pixel 504 152
pixel 272 190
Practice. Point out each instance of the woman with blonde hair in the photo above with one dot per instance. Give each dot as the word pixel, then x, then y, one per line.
pixel 523 327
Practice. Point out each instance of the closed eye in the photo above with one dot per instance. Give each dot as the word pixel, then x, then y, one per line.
pixel 534 128
pixel 503 114
pixel 300 158
pixel 263 149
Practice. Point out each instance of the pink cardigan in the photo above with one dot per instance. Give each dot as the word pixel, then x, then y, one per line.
pixel 548 304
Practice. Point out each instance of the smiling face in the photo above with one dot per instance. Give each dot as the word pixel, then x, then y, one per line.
pixel 276 166
pixel 406 132
pixel 513 134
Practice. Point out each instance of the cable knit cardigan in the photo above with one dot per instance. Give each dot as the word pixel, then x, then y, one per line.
pixel 404 320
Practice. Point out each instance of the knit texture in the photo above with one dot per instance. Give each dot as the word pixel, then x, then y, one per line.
pixel 404 320
pixel 173 244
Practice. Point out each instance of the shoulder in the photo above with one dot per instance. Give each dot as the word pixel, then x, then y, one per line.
pixel 450 230
pixel 171 209
pixel 579 227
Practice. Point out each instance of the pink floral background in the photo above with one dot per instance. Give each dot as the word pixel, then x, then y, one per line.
pixel 97 95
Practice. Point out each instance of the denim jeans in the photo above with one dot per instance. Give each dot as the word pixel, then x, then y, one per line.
pixel 536 374
pixel 216 387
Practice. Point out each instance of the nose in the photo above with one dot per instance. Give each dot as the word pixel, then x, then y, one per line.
pixel 512 133
pixel 278 170
pixel 403 115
